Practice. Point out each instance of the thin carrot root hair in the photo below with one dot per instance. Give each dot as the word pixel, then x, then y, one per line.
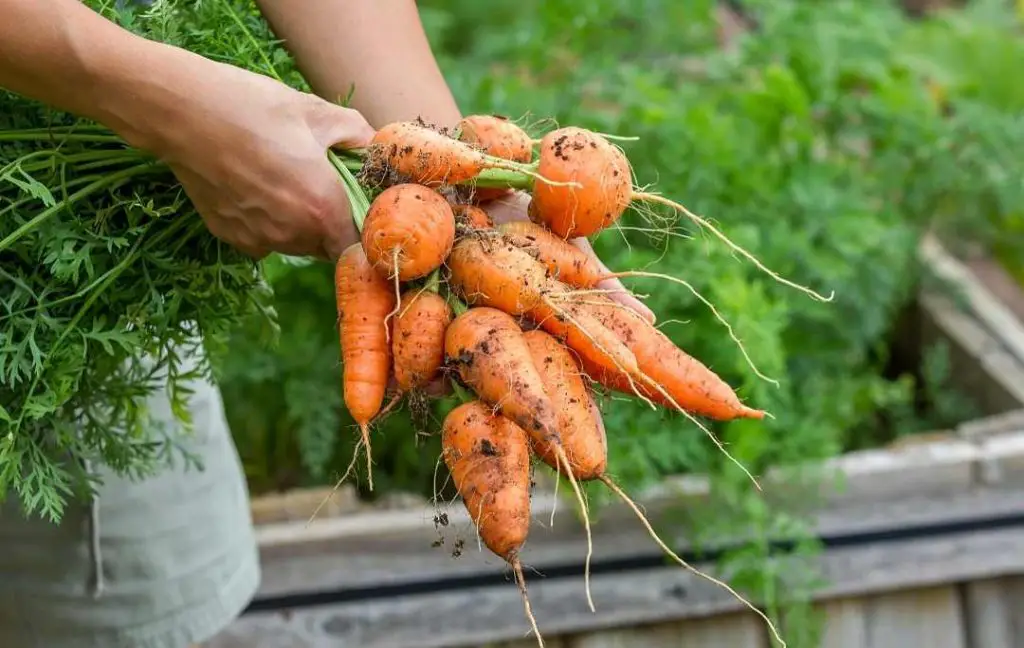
pixel 398 294
pixel 650 382
pixel 517 570
pixel 706 302
pixel 705 224
pixel 615 488
pixel 364 439
pixel 563 462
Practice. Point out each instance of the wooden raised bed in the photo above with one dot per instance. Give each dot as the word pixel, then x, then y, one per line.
pixel 924 546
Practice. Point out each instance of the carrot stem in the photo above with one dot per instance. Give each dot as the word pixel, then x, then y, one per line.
pixel 433 282
pixel 356 195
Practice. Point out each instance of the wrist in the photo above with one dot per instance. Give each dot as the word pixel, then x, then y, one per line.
pixel 139 88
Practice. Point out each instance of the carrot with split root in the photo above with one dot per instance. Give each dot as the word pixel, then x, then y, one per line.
pixel 583 438
pixel 488 457
pixel 364 300
pixel 487 349
pixel 591 186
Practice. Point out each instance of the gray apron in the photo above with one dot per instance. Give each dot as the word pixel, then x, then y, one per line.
pixel 162 563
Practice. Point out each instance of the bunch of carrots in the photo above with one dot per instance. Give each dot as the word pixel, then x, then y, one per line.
pixel 511 313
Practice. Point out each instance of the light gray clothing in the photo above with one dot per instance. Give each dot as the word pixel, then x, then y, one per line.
pixel 162 563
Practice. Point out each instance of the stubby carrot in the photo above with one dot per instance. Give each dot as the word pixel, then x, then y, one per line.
pixel 409 231
pixel 595 183
pixel 470 217
pixel 364 299
pixel 417 340
pixel 488 457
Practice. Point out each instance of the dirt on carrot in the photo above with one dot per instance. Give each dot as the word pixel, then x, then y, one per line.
pixel 408 232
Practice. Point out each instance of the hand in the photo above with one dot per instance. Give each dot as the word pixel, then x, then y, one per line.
pixel 513 207
pixel 251 153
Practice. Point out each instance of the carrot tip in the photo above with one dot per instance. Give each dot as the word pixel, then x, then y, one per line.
pixel 364 430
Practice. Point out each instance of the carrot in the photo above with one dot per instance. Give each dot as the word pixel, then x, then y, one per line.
pixel 417 341
pixel 488 457
pixel 688 383
pixel 487 269
pixel 575 409
pixel 408 232
pixel 583 437
pixel 471 217
pixel 487 349
pixel 364 299
pixel 563 260
pixel 499 137
pixel 576 155
pixel 417 153
pixel 589 186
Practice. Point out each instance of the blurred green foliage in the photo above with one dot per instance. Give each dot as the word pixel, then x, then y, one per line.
pixel 824 142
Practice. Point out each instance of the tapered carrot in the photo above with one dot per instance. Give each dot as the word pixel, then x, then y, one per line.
pixel 417 341
pixel 582 436
pixel 487 349
pixel 364 299
pixel 488 457
pixel 563 260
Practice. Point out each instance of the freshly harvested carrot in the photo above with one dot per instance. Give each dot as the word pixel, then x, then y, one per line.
pixel 589 186
pixel 582 436
pixel 408 232
pixel 488 457
pixel 487 349
pixel 563 260
pixel 576 411
pixel 364 299
pixel 471 217
pixel 686 381
pixel 417 340
pixel 595 183
pixel 499 137
pixel 488 270
pixel 417 153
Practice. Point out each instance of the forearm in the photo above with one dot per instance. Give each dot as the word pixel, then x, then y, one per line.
pixel 379 47
pixel 67 56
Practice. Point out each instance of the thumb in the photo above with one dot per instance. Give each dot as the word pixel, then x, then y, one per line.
pixel 341 127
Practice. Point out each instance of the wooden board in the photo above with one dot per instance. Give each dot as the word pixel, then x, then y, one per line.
pixel 733 630
pixel 995 612
pixel 930 617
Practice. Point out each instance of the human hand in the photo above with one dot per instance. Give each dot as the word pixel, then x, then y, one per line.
pixel 251 153
pixel 513 206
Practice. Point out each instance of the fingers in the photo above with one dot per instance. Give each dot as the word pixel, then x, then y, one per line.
pixel 615 289
pixel 507 208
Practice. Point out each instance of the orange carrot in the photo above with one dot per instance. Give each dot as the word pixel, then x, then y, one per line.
pixel 417 341
pixel 364 299
pixel 576 411
pixel 409 230
pixel 563 260
pixel 487 349
pixel 690 383
pixel 594 179
pixel 471 217
pixel 488 457
pixel 414 152
pixel 499 137
pixel 582 436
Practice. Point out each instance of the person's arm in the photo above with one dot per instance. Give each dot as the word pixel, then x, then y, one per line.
pixel 259 176
pixel 378 46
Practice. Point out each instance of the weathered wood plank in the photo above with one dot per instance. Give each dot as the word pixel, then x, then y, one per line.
pixel 638 597
pixel 844 624
pixel 995 613
pixel 733 630
pixel 929 617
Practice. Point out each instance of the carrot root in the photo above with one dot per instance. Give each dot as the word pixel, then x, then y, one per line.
pixel 702 222
pixel 610 483
pixel 517 570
